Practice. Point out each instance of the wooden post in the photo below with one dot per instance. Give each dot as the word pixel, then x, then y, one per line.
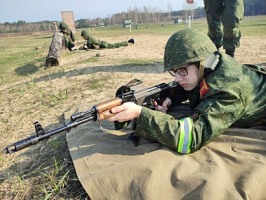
pixel 54 50
pixel 55 47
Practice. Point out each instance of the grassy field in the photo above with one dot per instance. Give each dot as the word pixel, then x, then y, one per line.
pixel 24 55
pixel 31 92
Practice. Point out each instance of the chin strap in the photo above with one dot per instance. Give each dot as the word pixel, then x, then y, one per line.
pixel 208 64
pixel 201 70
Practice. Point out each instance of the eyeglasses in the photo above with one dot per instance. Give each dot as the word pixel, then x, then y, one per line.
pixel 181 71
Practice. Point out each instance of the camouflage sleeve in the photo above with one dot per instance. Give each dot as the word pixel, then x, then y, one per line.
pixel 72 36
pixel 215 114
pixel 89 42
pixel 212 117
pixel 161 127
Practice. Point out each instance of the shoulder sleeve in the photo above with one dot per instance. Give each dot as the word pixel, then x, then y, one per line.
pixel 216 113
pixel 161 127
pixel 89 42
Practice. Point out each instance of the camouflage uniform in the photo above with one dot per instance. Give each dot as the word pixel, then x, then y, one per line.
pixel 222 98
pixel 68 35
pixel 229 13
pixel 92 43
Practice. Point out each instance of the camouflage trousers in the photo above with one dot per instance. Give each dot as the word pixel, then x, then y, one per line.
pixel 229 13
pixel 105 44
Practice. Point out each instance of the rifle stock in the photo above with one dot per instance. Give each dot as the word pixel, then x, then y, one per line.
pixel 101 111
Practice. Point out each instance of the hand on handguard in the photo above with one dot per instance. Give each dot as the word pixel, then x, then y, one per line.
pixel 125 112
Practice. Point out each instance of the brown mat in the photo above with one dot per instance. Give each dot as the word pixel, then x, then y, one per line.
pixel 110 166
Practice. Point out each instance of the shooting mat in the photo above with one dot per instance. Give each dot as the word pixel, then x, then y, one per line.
pixel 109 166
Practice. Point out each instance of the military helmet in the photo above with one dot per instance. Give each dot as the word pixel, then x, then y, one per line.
pixel 187 46
pixel 63 26
pixel 84 33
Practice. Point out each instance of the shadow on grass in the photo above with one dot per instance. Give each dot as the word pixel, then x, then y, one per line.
pixel 257 25
pixel 131 68
pixel 45 37
pixel 29 68
pixel 26 70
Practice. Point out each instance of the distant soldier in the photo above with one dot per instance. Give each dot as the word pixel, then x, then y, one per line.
pixel 92 43
pixel 68 36
pixel 229 13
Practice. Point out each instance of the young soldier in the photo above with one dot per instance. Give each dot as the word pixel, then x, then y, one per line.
pixel 221 93
pixel 68 36
pixel 92 43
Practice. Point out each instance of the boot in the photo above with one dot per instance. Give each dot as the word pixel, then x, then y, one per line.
pixel 131 41
pixel 74 48
pixel 230 52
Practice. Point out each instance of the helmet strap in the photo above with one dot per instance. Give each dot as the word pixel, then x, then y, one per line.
pixel 201 70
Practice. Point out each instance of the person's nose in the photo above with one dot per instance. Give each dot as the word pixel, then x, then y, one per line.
pixel 178 78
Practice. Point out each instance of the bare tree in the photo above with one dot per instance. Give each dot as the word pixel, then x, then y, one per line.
pixel 146 13
pixel 140 16
pixel 135 15
pixel 159 15
pixel 169 10
pixel 155 14
pixel 129 13
pixel 109 17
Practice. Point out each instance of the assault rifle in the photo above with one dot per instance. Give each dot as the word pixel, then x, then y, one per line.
pixel 145 97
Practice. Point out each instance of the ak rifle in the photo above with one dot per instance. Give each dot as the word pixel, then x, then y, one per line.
pixel 145 97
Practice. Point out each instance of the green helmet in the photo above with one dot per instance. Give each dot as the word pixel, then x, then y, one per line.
pixel 63 26
pixel 187 46
pixel 84 33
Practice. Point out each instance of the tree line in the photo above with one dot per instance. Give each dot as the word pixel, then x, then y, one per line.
pixel 145 15
pixel 21 27
pixel 255 7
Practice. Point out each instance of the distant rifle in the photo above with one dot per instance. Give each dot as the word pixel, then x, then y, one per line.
pixel 146 97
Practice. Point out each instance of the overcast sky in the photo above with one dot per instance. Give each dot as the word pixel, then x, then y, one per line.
pixel 40 10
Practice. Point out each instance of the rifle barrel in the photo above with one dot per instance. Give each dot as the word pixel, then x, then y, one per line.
pixel 22 144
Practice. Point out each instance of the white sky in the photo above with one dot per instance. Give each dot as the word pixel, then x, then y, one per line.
pixel 40 10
